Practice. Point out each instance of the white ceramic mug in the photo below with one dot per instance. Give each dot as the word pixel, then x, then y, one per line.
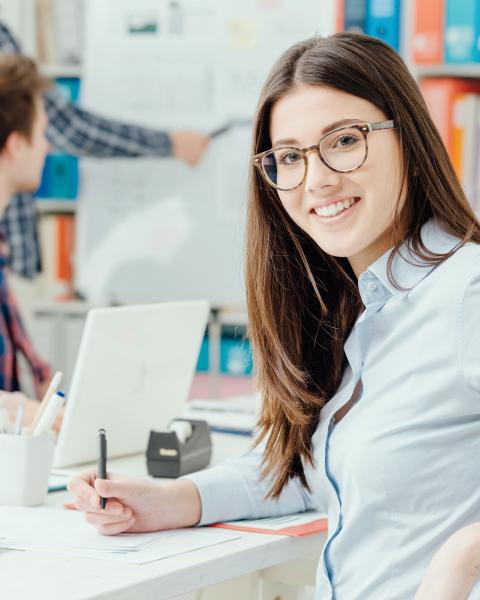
pixel 25 465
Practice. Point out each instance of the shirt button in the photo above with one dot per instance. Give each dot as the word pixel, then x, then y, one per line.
pixel 372 286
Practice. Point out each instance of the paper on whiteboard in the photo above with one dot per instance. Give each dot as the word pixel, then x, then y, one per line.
pixel 137 245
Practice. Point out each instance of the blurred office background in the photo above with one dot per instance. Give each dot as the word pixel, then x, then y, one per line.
pixel 137 230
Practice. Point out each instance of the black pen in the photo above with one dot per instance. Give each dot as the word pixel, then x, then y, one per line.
pixel 102 462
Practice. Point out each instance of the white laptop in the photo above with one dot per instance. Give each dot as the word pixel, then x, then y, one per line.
pixel 133 373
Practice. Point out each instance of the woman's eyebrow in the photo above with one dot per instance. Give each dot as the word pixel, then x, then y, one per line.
pixel 326 129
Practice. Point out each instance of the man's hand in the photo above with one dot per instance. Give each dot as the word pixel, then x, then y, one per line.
pixel 189 146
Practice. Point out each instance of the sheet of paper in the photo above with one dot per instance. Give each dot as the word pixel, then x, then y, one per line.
pixel 61 531
pixel 166 544
pixel 53 528
pixel 295 525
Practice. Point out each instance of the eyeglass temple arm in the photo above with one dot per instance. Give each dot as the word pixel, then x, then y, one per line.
pixel 383 125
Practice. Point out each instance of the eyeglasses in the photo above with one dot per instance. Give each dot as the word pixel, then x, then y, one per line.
pixel 342 150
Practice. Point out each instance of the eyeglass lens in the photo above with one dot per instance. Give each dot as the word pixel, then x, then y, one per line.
pixel 342 150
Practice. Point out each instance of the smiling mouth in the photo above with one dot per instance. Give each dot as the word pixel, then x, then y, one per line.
pixel 332 210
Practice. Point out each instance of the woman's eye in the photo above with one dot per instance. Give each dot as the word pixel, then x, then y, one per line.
pixel 345 141
pixel 290 158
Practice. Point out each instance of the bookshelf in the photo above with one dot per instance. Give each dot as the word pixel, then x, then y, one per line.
pixel 434 38
pixel 466 71
pixel 56 71
pixel 53 206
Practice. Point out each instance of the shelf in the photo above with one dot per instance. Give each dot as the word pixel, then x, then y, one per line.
pixel 468 70
pixel 55 71
pixel 56 206
pixel 229 317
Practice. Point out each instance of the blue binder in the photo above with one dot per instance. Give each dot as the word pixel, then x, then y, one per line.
pixel 383 21
pixel 59 178
pixel 462 31
pixel 70 87
pixel 355 14
pixel 61 173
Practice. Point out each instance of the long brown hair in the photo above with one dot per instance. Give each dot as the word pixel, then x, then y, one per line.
pixel 302 303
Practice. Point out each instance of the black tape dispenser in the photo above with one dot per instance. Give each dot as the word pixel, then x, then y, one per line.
pixel 184 448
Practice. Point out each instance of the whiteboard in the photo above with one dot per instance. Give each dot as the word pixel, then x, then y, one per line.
pixel 155 229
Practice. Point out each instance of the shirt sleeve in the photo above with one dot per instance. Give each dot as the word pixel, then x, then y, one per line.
pixel 7 42
pixel 77 131
pixel 19 227
pixel 234 490
pixel 470 332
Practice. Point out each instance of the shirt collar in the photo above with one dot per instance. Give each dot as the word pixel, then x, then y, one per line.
pixel 408 270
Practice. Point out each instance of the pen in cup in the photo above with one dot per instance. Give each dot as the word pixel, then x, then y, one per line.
pixel 52 388
pixel 5 425
pixel 49 414
pixel 102 462
pixel 19 419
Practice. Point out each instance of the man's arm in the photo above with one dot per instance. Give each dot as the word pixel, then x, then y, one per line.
pixel 77 131
pixel 80 132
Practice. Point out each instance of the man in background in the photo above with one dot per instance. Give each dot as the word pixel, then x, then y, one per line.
pixel 23 147
pixel 82 133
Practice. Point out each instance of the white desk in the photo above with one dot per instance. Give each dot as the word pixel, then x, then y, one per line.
pixel 44 576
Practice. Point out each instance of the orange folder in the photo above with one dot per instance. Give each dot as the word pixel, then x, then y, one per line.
pixel 428 28
pixel 440 94
pixel 340 15
pixel 65 226
pixel 294 525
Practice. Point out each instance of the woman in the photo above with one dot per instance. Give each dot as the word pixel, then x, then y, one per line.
pixel 363 275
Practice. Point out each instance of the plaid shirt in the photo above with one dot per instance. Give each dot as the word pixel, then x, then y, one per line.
pixel 75 131
pixel 13 339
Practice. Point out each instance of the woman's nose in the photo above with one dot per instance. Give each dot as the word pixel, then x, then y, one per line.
pixel 318 174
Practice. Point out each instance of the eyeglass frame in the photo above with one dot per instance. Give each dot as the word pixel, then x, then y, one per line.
pixel 364 128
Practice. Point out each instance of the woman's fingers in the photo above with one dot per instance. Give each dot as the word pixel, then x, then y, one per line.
pixel 101 519
pixel 115 528
pixel 82 487
pixel 113 508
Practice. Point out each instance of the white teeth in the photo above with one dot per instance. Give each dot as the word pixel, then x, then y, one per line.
pixel 334 209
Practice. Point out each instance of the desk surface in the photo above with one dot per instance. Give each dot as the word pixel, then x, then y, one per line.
pixel 43 576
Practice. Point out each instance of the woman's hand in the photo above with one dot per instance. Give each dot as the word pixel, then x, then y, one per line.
pixel 455 567
pixel 135 505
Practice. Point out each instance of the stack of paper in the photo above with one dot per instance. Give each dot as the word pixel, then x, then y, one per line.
pixel 238 414
pixel 64 531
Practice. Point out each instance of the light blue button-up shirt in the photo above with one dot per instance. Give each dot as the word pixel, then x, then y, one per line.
pixel 400 472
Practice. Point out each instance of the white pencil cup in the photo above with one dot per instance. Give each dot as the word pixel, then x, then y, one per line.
pixel 25 465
